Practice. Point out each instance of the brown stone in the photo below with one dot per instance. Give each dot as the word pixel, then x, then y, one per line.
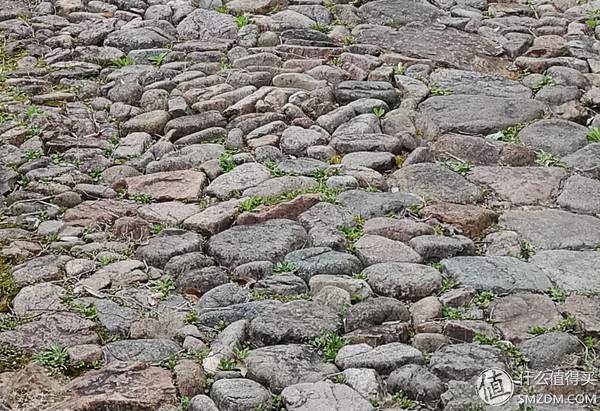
pixel 120 386
pixel 288 209
pixel 66 328
pixel 472 220
pixel 214 219
pixel 586 310
pixel 27 387
pixel 95 213
pixel 132 228
pixel 520 185
pixel 183 185
pixel 190 378
pixel 87 353
pixel 380 334
pixel 515 314
pixel 396 229
pixel 465 330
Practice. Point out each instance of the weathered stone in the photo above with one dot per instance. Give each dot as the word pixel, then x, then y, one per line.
pixel 580 195
pixel 324 395
pixel 550 350
pixel 403 280
pixel 270 240
pixel 499 274
pixel 373 249
pixel 435 181
pixel 147 351
pixel 168 244
pixel 304 321
pixel 322 260
pixel 570 270
pixel 374 311
pixel 553 229
pixel 465 361
pixel 383 359
pixel 280 366
pixel 554 136
pixel 516 314
pixel 239 394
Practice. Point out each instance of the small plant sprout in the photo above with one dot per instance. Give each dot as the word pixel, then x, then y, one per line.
pixel 141 198
pixel 549 159
pixel 95 173
pixel 349 40
pixel 227 164
pixel 461 167
pixel 122 62
pixel 282 268
pixel 55 357
pixel 163 286
pixel 447 285
pixel 593 135
pixel 157 60
pixel 557 295
pixel 591 23
pixel 379 112
pixel 546 81
pixel 242 21
pixel 227 364
pixel 328 345
pixel 321 27
pixel 436 90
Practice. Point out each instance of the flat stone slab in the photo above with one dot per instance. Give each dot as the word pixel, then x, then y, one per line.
pixel 586 310
pixel 455 112
pixel 556 136
pixel 553 229
pixel 465 361
pixel 67 329
pixel 570 270
pixel 270 240
pixel 499 274
pixel 323 396
pixel 143 350
pixel 580 195
pixel 322 260
pixel 404 281
pixel 437 182
pixel 515 314
pixel 448 47
pixel 280 366
pixel 399 12
pixel 384 358
pixel 294 322
pixel 368 204
pixel 520 185
pixel 239 179
pixel 182 185
pixel 475 83
pixel 120 385
pixel 585 161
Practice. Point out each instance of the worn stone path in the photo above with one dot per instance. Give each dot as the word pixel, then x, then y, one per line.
pixel 301 205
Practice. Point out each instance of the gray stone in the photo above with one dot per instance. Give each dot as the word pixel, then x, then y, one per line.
pixel 333 297
pixel 238 394
pixel 275 186
pixel 368 204
pixel 556 136
pixel 280 366
pixel 374 311
pixel 202 403
pixel 498 274
pixel 570 270
pixel 475 83
pixel 549 350
pixel 353 143
pixel 585 161
pixel 355 286
pixel 374 249
pixel 435 181
pixel 267 241
pixel 281 284
pixel 148 351
pixel 365 381
pixel 403 281
pixel 553 229
pixel 304 321
pixel 36 299
pixel 455 112
pixel 349 91
pixel 116 319
pixel 322 260
pixel 580 195
pixel 399 229
pixel 240 178
pixel 325 214
pixel 417 383
pixel 223 296
pixel 207 25
pixel 232 313
pixel 586 310
pixel 138 38
pixel 384 358
pixel 167 244
pixel 387 12
pixel 45 268
pixel 323 396
pixel 295 140
pixel 434 247
pixel 465 361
